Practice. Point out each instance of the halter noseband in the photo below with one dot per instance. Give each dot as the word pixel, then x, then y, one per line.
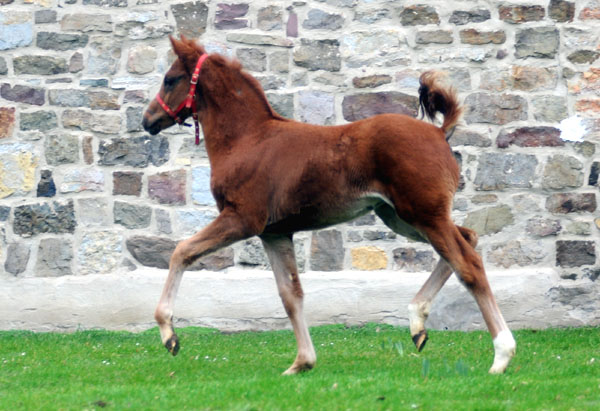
pixel 189 102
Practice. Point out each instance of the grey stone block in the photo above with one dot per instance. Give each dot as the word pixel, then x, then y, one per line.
pixel 327 251
pixel 54 257
pixel 17 258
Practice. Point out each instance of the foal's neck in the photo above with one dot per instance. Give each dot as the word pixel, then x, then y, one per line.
pixel 234 112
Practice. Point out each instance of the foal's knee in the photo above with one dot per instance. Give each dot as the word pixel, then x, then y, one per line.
pixel 180 256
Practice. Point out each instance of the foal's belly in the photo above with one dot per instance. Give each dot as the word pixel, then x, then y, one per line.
pixel 350 211
pixel 313 218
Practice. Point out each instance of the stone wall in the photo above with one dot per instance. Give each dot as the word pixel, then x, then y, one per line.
pixel 84 191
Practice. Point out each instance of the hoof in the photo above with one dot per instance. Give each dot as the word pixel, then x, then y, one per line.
pixel 504 348
pixel 172 345
pixel 420 339
pixel 497 369
pixel 296 369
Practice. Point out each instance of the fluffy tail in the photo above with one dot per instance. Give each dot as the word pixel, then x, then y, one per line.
pixel 434 97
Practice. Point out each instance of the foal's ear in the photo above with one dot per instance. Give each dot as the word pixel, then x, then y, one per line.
pixel 179 47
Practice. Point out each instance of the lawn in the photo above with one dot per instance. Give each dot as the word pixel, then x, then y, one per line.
pixel 370 367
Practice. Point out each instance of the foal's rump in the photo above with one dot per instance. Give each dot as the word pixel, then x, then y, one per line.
pixel 408 161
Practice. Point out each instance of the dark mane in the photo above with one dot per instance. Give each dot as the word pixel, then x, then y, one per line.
pixel 254 84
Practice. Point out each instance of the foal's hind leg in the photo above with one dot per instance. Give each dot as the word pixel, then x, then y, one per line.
pixel 280 250
pixel 224 230
pixel 448 241
pixel 419 307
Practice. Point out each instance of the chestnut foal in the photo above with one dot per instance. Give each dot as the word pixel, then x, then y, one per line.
pixel 272 176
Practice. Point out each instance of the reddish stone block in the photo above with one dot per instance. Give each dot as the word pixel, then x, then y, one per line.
pixel 591 11
pixel 477 37
pixel 588 105
pixel 588 82
pixel 102 100
pixel 7 121
pixel 135 96
pixel 291 28
pixel 88 150
pixel 168 187
pixel 521 14
pixel 228 16
pixel 529 78
pixel 592 76
pixel 128 183
pixel 530 137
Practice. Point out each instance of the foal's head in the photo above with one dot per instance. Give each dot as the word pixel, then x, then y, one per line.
pixel 175 88
pixel 222 86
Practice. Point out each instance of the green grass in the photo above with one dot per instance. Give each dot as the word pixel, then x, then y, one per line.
pixel 371 367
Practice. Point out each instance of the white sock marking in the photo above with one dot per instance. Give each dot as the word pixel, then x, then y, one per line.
pixel 504 349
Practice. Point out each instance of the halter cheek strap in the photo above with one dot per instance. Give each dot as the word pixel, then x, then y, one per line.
pixel 189 102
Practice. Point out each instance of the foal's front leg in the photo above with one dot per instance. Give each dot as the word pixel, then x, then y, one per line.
pixel 280 250
pixel 226 229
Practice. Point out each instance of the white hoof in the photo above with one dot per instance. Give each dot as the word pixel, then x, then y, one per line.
pixel 417 315
pixel 504 350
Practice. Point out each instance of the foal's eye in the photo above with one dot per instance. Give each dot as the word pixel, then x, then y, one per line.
pixel 170 81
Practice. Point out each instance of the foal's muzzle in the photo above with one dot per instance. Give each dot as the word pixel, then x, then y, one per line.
pixel 152 127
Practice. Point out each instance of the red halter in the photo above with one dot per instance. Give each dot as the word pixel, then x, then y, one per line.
pixel 189 102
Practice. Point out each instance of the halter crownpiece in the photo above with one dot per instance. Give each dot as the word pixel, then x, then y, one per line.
pixel 189 102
